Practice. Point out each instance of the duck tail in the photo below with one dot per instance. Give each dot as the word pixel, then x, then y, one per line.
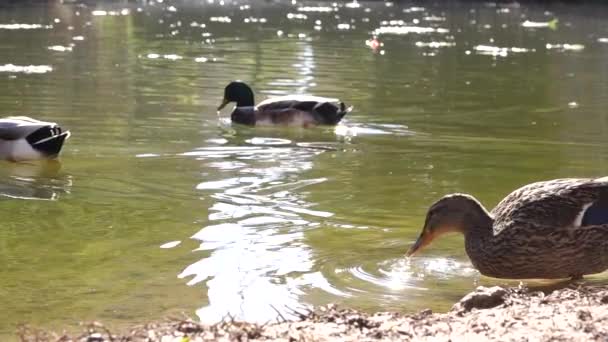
pixel 48 140
pixel 333 117
pixel 345 109
pixel 342 112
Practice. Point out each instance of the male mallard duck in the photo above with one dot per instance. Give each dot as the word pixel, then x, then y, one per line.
pixel 23 138
pixel 293 110
pixel 551 229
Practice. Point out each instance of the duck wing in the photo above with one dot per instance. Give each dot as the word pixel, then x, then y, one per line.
pixel 18 127
pixel 557 204
pixel 288 104
pixel 301 102
pixel 328 111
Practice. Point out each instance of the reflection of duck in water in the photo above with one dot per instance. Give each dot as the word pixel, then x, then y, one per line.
pixel 292 110
pixel 552 229
pixel 39 180
pixel 24 138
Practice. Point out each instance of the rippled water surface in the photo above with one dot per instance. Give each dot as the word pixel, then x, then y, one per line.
pixel 159 206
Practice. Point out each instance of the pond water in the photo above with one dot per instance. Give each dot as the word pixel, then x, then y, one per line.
pixel 159 206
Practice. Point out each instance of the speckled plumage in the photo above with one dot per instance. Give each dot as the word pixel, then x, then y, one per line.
pixel 541 230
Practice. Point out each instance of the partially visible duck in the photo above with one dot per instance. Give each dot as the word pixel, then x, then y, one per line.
pixel 23 138
pixel 291 110
pixel 551 229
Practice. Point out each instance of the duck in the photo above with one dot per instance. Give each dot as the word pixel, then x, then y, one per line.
pixel 554 229
pixel 23 138
pixel 290 110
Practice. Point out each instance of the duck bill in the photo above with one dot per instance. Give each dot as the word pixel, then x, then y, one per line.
pixel 423 240
pixel 224 103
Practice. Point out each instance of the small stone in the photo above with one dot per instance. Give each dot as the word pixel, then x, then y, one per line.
pixel 426 312
pixel 481 298
pixel 95 337
pixel 583 315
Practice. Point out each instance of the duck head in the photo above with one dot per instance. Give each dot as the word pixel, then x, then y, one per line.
pixel 239 92
pixel 453 213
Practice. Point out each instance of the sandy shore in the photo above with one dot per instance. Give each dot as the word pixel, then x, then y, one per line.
pixel 495 314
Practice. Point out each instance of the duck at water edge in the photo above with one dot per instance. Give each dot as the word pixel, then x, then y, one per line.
pixel 547 230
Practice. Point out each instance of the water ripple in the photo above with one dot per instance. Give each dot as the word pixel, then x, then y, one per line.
pixel 26 69
pixel 34 181
pixel 401 276
pixel 258 261
pixel 24 26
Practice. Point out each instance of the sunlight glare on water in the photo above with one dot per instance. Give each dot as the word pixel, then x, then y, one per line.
pixel 160 205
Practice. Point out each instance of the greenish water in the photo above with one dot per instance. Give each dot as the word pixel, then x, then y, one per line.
pixel 158 207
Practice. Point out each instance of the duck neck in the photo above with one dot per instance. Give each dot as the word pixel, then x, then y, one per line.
pixel 481 243
pixel 479 224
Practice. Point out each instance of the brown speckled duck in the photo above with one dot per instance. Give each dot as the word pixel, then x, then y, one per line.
pixel 292 110
pixel 551 229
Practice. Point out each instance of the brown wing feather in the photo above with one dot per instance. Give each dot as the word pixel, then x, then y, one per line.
pixel 555 203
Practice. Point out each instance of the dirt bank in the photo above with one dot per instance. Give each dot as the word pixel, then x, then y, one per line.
pixel 495 314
